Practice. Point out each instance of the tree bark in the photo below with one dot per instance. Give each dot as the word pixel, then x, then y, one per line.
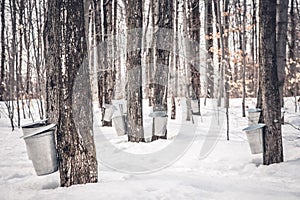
pixel 209 49
pixel 99 39
pixel 162 19
pixel 2 69
pixel 272 138
pixel 282 18
pixel 292 54
pixel 244 54
pixel 134 21
pixel 108 86
pixel 194 34
pixel 70 109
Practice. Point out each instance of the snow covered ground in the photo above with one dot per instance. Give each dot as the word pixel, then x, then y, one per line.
pixel 224 169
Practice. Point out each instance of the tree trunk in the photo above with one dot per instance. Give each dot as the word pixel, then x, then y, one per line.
pixel 186 69
pixel 2 69
pixel 194 34
pixel 162 18
pixel 293 91
pixel 134 20
pixel 254 51
pixel 108 86
pixel 69 103
pixel 176 50
pixel 272 139
pixel 13 60
pixel 224 61
pixel 209 48
pixel 282 17
pixel 27 42
pixel 244 44
pixel 220 64
pixel 98 35
pixel 38 57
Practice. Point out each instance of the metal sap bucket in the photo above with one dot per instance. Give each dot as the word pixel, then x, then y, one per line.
pixel 109 111
pixel 160 126
pixel 119 124
pixel 30 128
pixel 255 137
pixel 194 105
pixel 253 116
pixel 160 119
pixel 41 148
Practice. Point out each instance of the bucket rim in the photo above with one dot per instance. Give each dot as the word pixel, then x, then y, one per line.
pixel 254 110
pixel 254 127
pixel 42 134
pixel 40 130
pixel 33 123
pixel 158 114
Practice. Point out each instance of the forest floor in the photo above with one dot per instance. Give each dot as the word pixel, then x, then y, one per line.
pixel 203 164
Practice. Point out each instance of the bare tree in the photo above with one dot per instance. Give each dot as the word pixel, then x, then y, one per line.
pixel 282 18
pixel 134 22
pixel 2 69
pixel 194 25
pixel 272 139
pixel 293 87
pixel 99 39
pixel 70 108
pixel 244 54
pixel 108 64
pixel 162 19
pixel 209 49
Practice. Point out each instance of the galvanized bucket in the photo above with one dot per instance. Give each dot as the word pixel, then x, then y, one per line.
pixel 160 119
pixel 30 128
pixel 255 138
pixel 160 126
pixel 41 148
pixel 109 111
pixel 119 124
pixel 194 105
pixel 253 116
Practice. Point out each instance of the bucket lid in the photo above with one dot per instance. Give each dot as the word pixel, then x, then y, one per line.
pixel 40 130
pixel 252 110
pixel 158 114
pixel 34 123
pixel 254 127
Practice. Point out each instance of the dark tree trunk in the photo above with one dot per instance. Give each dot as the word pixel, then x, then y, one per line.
pixel 98 35
pixel 194 34
pixel 13 60
pixel 37 53
pixel 134 21
pixel 27 83
pixel 2 69
pixel 162 18
pixel 19 66
pixel 176 50
pixel 108 86
pixel 293 89
pixel 209 49
pixel 244 44
pixel 220 66
pixel 282 18
pixel 69 103
pixel 224 60
pixel 254 51
pixel 273 152
pixel 173 109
